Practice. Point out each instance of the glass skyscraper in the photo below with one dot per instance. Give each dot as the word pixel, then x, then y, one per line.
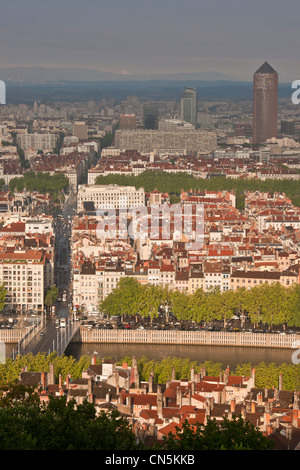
pixel 189 106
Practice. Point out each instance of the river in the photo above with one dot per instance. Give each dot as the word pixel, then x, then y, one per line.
pixel 226 355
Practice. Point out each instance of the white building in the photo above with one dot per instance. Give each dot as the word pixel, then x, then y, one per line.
pixel 24 276
pixel 110 196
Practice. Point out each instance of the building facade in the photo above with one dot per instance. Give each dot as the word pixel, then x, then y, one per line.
pixel 265 104
pixel 189 106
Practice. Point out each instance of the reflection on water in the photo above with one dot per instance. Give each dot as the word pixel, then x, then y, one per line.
pixel 226 355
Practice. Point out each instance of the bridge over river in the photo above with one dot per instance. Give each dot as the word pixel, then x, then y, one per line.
pixel 48 339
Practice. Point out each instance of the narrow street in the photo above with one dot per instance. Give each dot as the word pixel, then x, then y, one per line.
pixel 63 272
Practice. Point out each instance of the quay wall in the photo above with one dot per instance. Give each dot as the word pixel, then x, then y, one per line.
pixel 217 338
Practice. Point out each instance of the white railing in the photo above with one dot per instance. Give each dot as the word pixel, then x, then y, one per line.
pixel 85 335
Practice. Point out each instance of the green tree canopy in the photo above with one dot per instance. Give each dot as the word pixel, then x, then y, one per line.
pixel 235 434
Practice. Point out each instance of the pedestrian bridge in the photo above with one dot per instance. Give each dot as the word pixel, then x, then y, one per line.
pixel 48 338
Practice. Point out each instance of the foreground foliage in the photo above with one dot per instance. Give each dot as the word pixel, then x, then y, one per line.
pixel 235 434
pixel 27 424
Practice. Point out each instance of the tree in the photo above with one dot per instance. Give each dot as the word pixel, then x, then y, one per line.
pixel 51 296
pixel 26 424
pixel 124 299
pixel 3 293
pixel 235 434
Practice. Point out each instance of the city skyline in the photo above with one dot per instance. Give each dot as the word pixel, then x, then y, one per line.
pixel 142 38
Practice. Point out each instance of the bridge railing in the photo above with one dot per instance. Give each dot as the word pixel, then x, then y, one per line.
pixel 64 336
pixel 26 338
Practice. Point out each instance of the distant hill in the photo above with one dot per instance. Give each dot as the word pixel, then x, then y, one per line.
pixel 57 74
pixel 47 85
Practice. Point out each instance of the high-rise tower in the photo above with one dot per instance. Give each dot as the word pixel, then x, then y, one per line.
pixel 189 106
pixel 150 116
pixel 265 102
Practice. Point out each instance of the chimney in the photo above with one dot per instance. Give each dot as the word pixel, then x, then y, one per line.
pixel 117 382
pixel 129 403
pixel 151 382
pixel 179 397
pixel 296 401
pixel 51 375
pixel 159 402
pixel 173 373
pixel 280 387
pixel 259 398
pixel 43 377
pixel 136 378
pixel 207 409
pixel 134 362
pixel 253 407
pixel 192 374
pixel 253 376
pixel 232 405
pixel 90 385
pixel 295 419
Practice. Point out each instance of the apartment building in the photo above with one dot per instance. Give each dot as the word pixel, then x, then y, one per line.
pixel 110 197
pixel 38 141
pixel 250 279
pixel 24 276
pixel 93 282
pixel 146 141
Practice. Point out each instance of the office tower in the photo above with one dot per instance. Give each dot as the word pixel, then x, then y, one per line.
pixel 80 130
pixel 150 116
pixel 189 106
pixel 288 127
pixel 128 121
pixel 265 99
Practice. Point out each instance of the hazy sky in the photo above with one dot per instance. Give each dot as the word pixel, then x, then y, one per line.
pixel 233 37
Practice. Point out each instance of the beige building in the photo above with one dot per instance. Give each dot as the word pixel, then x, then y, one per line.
pixel 146 141
pixel 38 141
pixel 24 275
pixel 196 281
pixel 110 196
pixel 250 279
pixel 92 283
pixel 80 130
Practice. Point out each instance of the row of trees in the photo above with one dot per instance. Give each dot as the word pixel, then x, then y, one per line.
pixel 41 182
pixel 266 375
pixel 172 183
pixel 270 304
